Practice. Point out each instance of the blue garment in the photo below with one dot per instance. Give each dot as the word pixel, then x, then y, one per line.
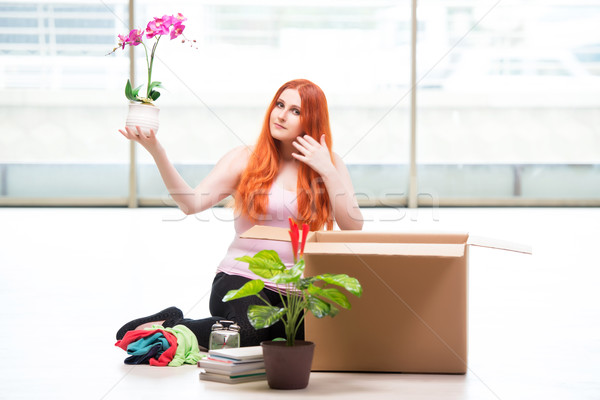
pixel 144 358
pixel 142 350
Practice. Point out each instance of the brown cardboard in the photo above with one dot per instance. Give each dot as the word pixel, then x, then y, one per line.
pixel 412 316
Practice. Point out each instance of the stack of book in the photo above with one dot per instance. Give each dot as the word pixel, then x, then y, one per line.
pixel 234 365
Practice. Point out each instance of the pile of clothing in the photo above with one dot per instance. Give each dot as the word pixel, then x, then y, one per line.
pixel 160 346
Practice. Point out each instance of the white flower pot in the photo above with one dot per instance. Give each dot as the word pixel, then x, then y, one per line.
pixel 143 115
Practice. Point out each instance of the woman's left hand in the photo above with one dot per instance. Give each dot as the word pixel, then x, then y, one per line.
pixel 314 154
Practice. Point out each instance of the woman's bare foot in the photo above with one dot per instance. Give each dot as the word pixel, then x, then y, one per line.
pixel 149 324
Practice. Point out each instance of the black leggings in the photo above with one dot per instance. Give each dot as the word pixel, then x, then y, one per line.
pixel 234 310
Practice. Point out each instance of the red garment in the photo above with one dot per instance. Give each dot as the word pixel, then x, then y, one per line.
pixel 165 358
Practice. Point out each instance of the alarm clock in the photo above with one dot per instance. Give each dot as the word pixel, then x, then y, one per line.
pixel 225 334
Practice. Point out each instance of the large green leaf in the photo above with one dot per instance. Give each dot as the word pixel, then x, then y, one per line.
pixel 350 284
pixel 285 277
pixel 249 289
pixel 264 316
pixel 291 275
pixel 333 311
pixel 332 294
pixel 318 307
pixel 304 283
pixel 265 263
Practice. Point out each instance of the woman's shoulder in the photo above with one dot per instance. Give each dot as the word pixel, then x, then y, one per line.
pixel 237 158
pixel 241 151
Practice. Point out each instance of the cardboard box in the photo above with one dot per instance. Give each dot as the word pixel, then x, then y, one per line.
pixel 412 316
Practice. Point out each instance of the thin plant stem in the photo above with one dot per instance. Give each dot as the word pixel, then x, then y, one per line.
pixel 147 63
pixel 298 304
pixel 264 301
pixel 150 66
pixel 146 51
pixel 298 324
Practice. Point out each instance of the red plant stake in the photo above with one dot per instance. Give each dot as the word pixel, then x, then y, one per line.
pixel 305 230
pixel 294 236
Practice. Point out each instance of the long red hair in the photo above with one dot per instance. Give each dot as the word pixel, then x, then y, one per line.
pixel 314 206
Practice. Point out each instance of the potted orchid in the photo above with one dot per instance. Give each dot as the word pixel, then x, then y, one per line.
pixel 298 295
pixel 142 111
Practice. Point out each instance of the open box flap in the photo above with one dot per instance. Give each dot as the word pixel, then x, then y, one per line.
pixel 270 233
pixel 358 248
pixel 391 249
pixel 481 241
pixel 438 248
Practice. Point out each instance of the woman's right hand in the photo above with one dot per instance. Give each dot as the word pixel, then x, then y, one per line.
pixel 150 143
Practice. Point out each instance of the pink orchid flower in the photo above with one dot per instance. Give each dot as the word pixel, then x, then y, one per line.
pixel 123 41
pixel 157 27
pixel 149 32
pixel 168 20
pixel 177 30
pixel 135 37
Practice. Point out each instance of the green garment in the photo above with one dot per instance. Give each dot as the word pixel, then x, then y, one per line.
pixel 187 351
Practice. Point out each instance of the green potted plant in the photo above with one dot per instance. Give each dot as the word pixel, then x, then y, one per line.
pixel 142 111
pixel 288 362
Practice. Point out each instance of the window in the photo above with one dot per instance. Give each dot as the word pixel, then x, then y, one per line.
pixel 60 113
pixel 508 101
pixel 507 96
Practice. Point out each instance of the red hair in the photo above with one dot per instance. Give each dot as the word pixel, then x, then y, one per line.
pixel 314 206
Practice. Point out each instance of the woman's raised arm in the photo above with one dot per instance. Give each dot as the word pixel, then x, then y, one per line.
pixel 221 182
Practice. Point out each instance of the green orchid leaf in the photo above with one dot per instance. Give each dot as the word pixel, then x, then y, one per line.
pixel 249 289
pixel 130 93
pixel 136 91
pixel 350 284
pixel 264 316
pixel 155 85
pixel 318 307
pixel 154 95
pixel 265 263
pixel 331 294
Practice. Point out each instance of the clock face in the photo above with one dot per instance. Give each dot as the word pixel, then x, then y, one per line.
pixel 223 340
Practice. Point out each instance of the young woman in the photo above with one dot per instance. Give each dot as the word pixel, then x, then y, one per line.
pixel 290 172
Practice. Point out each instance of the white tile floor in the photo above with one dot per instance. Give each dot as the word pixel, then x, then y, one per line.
pixel 70 277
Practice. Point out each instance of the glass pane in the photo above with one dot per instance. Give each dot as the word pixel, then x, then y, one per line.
pixel 216 96
pixel 59 111
pixel 508 101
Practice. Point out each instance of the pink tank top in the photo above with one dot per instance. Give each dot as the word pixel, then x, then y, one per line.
pixel 282 205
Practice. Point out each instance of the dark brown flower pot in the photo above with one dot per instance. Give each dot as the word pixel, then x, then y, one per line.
pixel 288 367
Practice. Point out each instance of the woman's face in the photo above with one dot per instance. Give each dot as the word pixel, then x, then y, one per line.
pixel 285 117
